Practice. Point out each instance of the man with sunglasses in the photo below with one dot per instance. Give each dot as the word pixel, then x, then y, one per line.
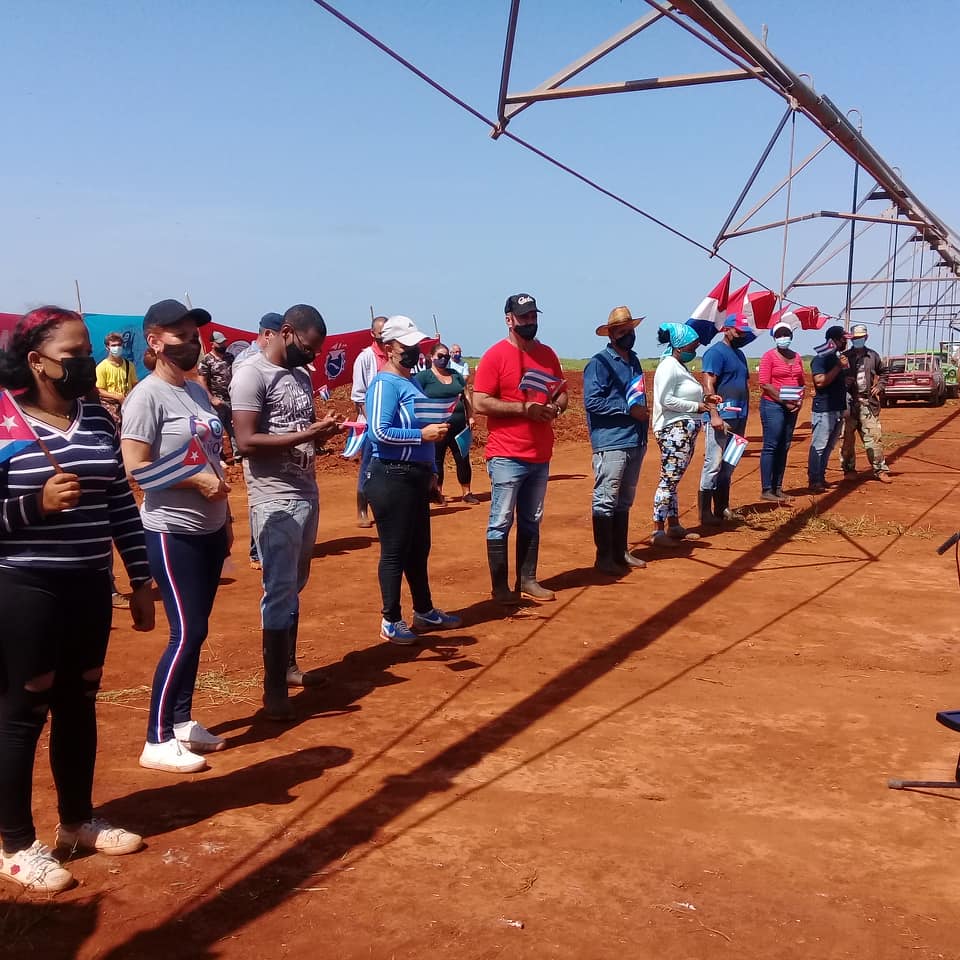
pixel 276 429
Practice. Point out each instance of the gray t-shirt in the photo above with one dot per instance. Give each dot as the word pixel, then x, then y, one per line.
pixel 283 400
pixel 167 417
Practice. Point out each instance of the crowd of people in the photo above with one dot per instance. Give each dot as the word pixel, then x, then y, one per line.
pixel 66 502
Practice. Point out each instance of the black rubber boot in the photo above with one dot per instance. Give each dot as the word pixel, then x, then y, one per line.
pixel 721 503
pixel 607 560
pixel 621 527
pixel 363 514
pixel 497 561
pixel 295 676
pixel 276 657
pixel 707 519
pixel 528 552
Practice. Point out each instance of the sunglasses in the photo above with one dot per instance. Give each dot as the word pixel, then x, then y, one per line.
pixel 442 356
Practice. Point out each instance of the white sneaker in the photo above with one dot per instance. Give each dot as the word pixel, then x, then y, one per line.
pixel 196 737
pixel 100 837
pixel 36 869
pixel 171 757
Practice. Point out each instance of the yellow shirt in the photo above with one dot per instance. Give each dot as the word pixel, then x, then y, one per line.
pixel 117 379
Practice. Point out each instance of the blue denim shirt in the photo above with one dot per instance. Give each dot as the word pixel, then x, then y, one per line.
pixel 605 382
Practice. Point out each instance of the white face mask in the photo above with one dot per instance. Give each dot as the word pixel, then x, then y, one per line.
pixel 116 350
pixel 783 342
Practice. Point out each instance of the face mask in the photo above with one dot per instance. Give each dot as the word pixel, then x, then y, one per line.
pixel 783 342
pixel 182 355
pixel 526 331
pixel 738 342
pixel 296 356
pixel 78 379
pixel 687 355
pixel 456 356
pixel 859 343
pixel 626 341
pixel 410 357
pixel 441 362
pixel 116 351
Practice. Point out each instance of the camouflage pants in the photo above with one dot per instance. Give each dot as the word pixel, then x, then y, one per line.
pixel 867 425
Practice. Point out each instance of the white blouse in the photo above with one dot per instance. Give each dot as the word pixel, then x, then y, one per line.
pixel 677 394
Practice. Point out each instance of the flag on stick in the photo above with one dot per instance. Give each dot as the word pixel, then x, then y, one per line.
pixel 539 381
pixel 172 468
pixel 352 447
pixel 636 393
pixel 323 393
pixel 16 434
pixel 433 411
pixel 735 449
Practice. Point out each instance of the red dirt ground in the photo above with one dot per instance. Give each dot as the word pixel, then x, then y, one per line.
pixel 688 763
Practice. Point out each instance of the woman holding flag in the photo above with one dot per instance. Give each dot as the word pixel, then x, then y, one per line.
pixel 404 426
pixel 440 382
pixel 64 503
pixel 172 440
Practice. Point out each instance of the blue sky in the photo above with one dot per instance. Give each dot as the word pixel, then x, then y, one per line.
pixel 257 154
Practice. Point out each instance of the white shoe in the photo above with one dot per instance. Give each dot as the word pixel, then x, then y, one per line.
pixel 196 737
pixel 171 757
pixel 36 869
pixel 100 837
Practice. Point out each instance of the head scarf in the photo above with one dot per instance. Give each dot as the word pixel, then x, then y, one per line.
pixel 680 336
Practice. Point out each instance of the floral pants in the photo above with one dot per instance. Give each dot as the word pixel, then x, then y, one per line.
pixel 676 444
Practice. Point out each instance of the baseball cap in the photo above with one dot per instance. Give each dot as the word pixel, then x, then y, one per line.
pixel 218 337
pixel 402 329
pixel 168 313
pixel 836 332
pixel 520 304
pixel 859 331
pixel 271 321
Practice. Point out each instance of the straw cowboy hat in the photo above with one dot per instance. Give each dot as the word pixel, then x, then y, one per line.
pixel 619 317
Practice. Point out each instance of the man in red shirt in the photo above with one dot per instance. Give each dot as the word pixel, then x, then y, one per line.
pixel 519 443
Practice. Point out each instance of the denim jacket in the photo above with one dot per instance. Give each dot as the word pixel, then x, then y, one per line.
pixel 605 382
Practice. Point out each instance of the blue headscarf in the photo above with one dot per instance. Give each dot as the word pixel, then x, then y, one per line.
pixel 679 334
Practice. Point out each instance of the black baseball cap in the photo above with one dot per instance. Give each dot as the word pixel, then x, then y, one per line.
pixel 520 304
pixel 271 321
pixel 168 313
pixel 835 333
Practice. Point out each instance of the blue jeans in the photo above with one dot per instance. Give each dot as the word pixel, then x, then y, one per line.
pixel 615 476
pixel 716 474
pixel 825 428
pixel 366 455
pixel 516 486
pixel 778 425
pixel 285 532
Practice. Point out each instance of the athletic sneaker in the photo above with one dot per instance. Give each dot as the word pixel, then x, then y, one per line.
pixel 171 757
pixel 99 836
pixel 397 632
pixel 435 620
pixel 197 738
pixel 36 869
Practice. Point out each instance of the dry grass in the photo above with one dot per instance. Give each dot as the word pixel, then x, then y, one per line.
pixel 219 687
pixel 814 525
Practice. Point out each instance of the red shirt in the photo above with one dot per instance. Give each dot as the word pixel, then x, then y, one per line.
pixel 498 375
pixel 776 371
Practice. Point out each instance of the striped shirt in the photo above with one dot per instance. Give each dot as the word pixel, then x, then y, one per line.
pixel 394 427
pixel 82 537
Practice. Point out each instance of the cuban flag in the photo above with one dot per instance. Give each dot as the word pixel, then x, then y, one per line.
pixel 433 411
pixel 636 393
pixel 707 318
pixel 825 349
pixel 747 310
pixel 791 394
pixel 799 318
pixel 323 393
pixel 15 432
pixel 354 444
pixel 728 407
pixel 172 468
pixel 539 381
pixel 735 449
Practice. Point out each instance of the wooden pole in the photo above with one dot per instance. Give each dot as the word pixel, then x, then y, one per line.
pixel 436 329
pixel 46 451
pixel 371 313
pixel 186 297
pixel 76 286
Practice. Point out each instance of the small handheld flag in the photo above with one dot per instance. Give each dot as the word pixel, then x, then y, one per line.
pixel 636 393
pixel 824 349
pixel 539 381
pixel 728 407
pixel 464 440
pixel 323 392
pixel 433 411
pixel 15 432
pixel 791 394
pixel 735 449
pixel 354 442
pixel 172 468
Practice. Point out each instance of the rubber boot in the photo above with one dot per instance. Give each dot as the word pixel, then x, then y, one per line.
pixel 721 503
pixel 497 561
pixel 295 676
pixel 276 657
pixel 621 527
pixel 607 561
pixel 528 551
pixel 363 514
pixel 707 519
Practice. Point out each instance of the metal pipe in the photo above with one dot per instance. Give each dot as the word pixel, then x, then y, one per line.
pixel 507 62
pixel 828 214
pixel 630 86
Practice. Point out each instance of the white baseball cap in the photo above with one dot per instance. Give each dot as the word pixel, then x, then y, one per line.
pixel 402 329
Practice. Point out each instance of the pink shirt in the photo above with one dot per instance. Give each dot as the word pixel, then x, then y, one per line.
pixel 776 371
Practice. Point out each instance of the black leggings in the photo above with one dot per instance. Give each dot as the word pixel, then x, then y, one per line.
pixel 464 471
pixel 54 622
pixel 400 496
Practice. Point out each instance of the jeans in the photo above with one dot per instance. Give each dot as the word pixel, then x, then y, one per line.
pixel 399 493
pixel 53 622
pixel 716 473
pixel 285 532
pixel 615 476
pixel 187 571
pixel 825 428
pixel 516 486
pixel 366 455
pixel 778 426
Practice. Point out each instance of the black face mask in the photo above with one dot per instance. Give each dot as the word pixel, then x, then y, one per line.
pixel 441 362
pixel 78 379
pixel 738 342
pixel 296 356
pixel 182 355
pixel 626 341
pixel 526 331
pixel 410 357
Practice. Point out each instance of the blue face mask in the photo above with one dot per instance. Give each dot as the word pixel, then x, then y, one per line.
pixel 687 355
pixel 859 343
pixel 783 342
